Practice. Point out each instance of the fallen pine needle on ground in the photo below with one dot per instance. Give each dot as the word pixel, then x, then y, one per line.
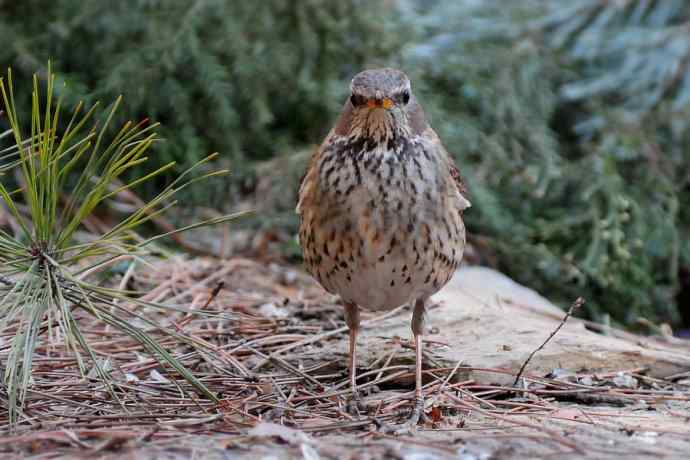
pixel 271 344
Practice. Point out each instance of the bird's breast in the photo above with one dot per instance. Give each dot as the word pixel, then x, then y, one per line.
pixel 383 226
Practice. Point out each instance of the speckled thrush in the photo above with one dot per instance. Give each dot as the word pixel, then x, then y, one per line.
pixel 381 209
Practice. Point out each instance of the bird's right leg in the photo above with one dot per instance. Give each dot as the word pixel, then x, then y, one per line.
pixel 352 321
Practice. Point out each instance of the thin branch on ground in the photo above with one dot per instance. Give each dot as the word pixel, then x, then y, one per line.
pixel 575 305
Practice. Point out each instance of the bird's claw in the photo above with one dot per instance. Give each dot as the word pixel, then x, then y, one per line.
pixel 355 406
pixel 417 414
pixel 409 427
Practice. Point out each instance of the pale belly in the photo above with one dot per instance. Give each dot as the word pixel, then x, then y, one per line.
pixel 387 255
pixel 381 286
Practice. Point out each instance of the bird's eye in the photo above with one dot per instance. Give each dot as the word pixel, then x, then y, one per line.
pixel 355 100
pixel 406 97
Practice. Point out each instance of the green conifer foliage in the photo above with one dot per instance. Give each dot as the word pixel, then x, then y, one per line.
pixel 247 79
pixel 569 119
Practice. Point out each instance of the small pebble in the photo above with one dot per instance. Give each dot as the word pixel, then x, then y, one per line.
pixel 586 380
pixel 622 380
pixel 271 310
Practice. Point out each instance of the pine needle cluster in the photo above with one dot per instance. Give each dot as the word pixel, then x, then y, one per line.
pixel 65 170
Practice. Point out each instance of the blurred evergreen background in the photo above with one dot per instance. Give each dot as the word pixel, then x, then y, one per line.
pixel 570 119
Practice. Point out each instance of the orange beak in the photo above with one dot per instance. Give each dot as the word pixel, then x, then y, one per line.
pixel 384 103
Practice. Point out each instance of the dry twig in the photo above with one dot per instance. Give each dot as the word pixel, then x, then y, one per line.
pixel 575 305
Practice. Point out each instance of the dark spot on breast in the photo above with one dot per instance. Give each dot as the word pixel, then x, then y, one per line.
pixel 326 159
pixel 329 171
pixel 393 243
pixel 379 161
pixel 449 235
pixel 368 162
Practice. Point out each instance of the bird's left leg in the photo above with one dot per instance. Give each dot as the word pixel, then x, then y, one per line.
pixel 352 321
pixel 418 324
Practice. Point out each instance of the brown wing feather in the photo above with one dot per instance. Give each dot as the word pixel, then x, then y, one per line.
pixel 455 173
pixel 340 129
pixel 454 170
pixel 308 176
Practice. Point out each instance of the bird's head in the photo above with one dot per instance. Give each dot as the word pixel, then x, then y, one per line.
pixel 380 89
pixel 380 106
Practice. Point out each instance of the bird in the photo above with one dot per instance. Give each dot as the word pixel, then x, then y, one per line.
pixel 381 210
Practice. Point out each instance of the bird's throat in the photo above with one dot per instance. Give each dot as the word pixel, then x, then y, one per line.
pixel 376 125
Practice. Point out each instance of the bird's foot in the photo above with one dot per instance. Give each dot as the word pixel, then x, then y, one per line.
pixel 409 427
pixel 417 412
pixel 355 406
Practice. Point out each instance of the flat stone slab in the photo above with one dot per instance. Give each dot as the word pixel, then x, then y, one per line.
pixel 483 319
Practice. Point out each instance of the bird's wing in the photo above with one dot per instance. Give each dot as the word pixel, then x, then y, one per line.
pixel 304 183
pixel 431 135
pixel 308 180
pixel 462 190
pixel 301 183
